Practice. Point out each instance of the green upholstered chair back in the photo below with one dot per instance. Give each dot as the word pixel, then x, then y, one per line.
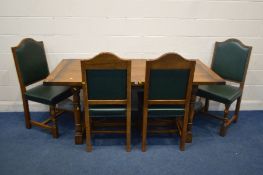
pixel 168 84
pixel 107 84
pixel 231 59
pixel 169 77
pixel 107 77
pixel 30 60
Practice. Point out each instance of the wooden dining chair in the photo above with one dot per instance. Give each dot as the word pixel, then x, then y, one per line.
pixel 167 91
pixel 106 93
pixel 230 61
pixel 31 66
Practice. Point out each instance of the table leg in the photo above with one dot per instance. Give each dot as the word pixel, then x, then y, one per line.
pixel 191 114
pixel 77 116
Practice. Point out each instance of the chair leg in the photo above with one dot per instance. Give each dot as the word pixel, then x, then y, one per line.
pixel 144 129
pixel 237 110
pixel 140 112
pixel 27 114
pixel 128 131
pixel 184 130
pixel 225 121
pixel 206 105
pixel 54 128
pixel 88 132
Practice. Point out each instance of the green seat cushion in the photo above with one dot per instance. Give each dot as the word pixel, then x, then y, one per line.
pixel 107 110
pixel 221 93
pixel 49 95
pixel 165 111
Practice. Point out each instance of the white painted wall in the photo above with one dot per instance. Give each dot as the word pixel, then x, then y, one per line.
pixel 129 28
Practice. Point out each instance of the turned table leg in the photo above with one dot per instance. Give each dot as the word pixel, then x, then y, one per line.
pixel 191 114
pixel 77 116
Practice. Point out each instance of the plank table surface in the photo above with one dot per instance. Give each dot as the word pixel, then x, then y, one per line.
pixel 68 72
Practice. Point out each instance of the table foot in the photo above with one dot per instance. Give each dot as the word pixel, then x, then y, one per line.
pixel 189 138
pixel 78 139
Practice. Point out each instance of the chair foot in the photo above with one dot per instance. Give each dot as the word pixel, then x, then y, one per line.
pixel 88 140
pixel 182 147
pixel 223 131
pixel 89 148
pixel 128 148
pixel 28 126
pixel 235 118
pixel 225 122
pixel 54 132
pixel 143 148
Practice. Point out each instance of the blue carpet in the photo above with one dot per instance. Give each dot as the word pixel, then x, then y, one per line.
pixel 35 152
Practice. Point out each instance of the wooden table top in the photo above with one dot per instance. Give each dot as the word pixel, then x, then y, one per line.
pixel 68 73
